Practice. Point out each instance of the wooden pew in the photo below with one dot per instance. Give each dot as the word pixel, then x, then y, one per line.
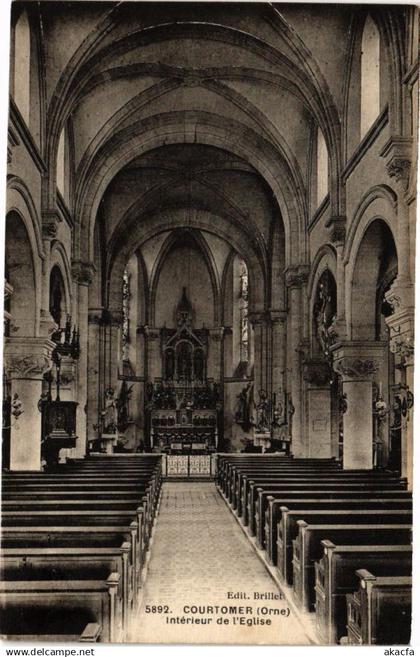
pixel 241 477
pixel 314 484
pixel 234 472
pixel 96 533
pixel 379 613
pixel 250 487
pixel 335 576
pixel 90 634
pixel 323 500
pixel 140 496
pixel 61 563
pixel 78 536
pixel 226 466
pixel 288 530
pixel 48 608
pixel 91 517
pixel 307 546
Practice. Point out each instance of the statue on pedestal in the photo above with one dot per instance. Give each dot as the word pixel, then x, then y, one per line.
pixel 110 412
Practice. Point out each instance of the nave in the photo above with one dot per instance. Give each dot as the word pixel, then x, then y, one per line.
pixel 199 555
pixel 209 273
pixel 101 551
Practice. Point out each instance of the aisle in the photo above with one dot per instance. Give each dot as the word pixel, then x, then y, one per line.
pixel 200 555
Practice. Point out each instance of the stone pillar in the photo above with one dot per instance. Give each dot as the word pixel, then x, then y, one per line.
pixel 356 363
pixel 114 355
pixel 317 374
pixel 154 359
pixel 96 383
pixel 214 361
pixel 50 220
pixel 397 152
pixel 296 277
pixel 82 273
pixel 278 332
pixel 402 345
pixel 337 236
pixel 258 321
pixel 26 360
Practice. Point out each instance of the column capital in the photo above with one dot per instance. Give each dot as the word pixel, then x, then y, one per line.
pixel 82 272
pixel 336 226
pixel 357 360
pixel 400 296
pixel 28 358
pixel 50 220
pixel 397 152
pixel 297 275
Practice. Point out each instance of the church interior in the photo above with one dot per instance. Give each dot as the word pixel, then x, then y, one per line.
pixel 209 320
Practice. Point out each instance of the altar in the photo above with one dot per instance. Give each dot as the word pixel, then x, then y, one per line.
pixel 183 420
pixel 184 406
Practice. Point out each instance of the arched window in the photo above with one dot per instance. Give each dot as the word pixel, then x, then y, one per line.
pixel 126 315
pixel 61 164
pixel 369 76
pixel 322 168
pixel 243 313
pixel 22 65
pixel 57 295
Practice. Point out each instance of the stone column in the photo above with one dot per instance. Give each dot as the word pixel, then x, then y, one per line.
pixel 114 356
pixel 356 363
pixel 50 220
pixel 214 361
pixel 296 277
pixel 82 273
pixel 26 360
pixel 96 383
pixel 278 332
pixel 397 153
pixel 337 236
pixel 154 359
pixel 258 321
pixel 317 374
pixel 402 345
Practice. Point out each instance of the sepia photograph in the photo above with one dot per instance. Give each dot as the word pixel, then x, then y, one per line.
pixel 209 314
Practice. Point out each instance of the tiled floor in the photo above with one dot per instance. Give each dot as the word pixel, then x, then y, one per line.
pixel 199 555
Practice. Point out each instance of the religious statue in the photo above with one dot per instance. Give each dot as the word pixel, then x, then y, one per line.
pixel 122 406
pixel 325 311
pixel 263 409
pixel 110 413
pixel 243 404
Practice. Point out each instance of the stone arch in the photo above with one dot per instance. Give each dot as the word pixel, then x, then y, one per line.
pixel 19 201
pixel 376 244
pixel 18 195
pixel 219 202
pixel 21 275
pixel 311 80
pixel 379 200
pixel 174 238
pixel 198 127
pixel 202 220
